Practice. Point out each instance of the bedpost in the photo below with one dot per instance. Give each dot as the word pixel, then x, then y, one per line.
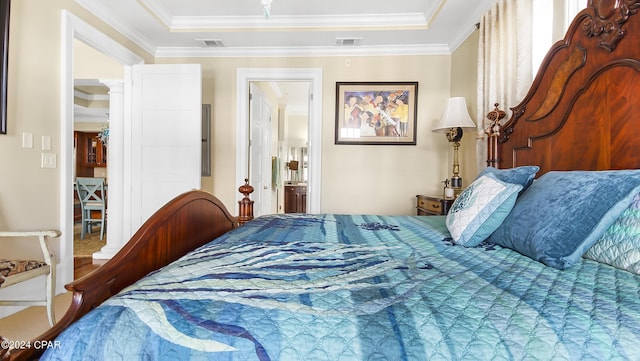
pixel 493 157
pixel 246 204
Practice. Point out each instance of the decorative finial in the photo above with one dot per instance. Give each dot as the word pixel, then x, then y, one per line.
pixel 245 204
pixel 246 189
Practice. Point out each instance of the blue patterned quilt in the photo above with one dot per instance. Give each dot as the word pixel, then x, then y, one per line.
pixel 357 287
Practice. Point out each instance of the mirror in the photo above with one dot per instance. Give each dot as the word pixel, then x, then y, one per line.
pixel 297 165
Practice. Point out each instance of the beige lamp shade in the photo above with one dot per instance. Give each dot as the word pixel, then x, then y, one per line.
pixel 454 116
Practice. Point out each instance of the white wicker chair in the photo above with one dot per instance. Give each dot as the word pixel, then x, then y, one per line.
pixel 16 271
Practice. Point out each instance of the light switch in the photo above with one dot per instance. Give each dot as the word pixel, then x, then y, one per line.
pixel 46 142
pixel 48 160
pixel 27 140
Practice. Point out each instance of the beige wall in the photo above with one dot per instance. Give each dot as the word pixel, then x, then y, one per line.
pixel 297 129
pixel 29 195
pixel 355 179
pixel 464 65
pixel 89 63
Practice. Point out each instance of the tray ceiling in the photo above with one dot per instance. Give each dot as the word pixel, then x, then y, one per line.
pixel 177 28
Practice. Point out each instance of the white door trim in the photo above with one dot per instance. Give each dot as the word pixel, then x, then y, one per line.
pixel 313 75
pixel 74 28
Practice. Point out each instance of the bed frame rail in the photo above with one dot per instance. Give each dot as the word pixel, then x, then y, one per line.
pixel 185 223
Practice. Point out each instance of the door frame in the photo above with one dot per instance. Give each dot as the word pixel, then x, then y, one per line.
pixel 73 28
pixel 313 75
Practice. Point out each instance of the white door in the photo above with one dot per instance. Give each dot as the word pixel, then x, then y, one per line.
pixel 165 136
pixel 260 151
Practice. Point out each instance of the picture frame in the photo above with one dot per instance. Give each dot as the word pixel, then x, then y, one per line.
pixel 376 113
pixel 5 10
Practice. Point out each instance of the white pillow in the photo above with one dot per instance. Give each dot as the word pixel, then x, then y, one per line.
pixel 480 209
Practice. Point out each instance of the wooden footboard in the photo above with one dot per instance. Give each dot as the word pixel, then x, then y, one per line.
pixel 185 223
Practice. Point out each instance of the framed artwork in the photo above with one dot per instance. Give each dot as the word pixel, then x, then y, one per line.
pixel 376 113
pixel 4 53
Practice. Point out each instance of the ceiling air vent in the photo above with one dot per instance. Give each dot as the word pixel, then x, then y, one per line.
pixel 348 41
pixel 212 43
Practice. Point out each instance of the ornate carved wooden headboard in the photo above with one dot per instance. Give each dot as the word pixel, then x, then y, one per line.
pixel 583 109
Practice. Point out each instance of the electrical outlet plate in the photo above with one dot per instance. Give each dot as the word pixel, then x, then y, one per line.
pixel 48 160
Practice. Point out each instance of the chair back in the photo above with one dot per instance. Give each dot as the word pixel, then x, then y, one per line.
pixel 90 192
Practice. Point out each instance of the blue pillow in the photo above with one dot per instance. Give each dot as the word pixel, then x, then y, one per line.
pixel 562 214
pixel 520 175
pixel 480 209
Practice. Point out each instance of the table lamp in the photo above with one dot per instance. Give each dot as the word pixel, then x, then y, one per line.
pixel 454 118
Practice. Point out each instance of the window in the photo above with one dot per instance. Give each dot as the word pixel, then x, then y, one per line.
pixel 571 8
pixel 551 25
pixel 542 36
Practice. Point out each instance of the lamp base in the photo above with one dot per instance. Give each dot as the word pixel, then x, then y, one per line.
pixel 456 184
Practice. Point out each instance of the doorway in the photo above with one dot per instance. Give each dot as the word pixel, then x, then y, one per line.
pixel 75 29
pixel 279 132
pixel 314 77
pixel 91 136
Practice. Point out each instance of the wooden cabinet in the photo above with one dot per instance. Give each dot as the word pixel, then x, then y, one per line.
pixel 295 199
pixel 96 154
pixel 432 206
pixel 90 150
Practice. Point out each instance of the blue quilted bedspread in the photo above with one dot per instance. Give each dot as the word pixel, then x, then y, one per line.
pixel 338 287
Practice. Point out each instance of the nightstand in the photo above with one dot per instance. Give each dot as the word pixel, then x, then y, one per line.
pixel 433 206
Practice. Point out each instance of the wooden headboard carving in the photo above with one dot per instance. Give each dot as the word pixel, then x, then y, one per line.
pixel 559 82
pixel 582 109
pixel 605 20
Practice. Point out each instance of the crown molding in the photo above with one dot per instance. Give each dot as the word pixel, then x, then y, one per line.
pixel 116 23
pixel 374 21
pixel 274 22
pixel 90 97
pixel 183 23
pixel 420 49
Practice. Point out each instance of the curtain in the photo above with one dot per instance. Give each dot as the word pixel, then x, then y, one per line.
pixel 504 62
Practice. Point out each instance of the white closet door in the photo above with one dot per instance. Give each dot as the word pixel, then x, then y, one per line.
pixel 260 151
pixel 165 136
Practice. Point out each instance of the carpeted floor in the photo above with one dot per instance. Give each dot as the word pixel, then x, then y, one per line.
pixel 31 322
pixel 90 244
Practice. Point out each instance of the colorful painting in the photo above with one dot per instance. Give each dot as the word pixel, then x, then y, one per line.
pixel 376 113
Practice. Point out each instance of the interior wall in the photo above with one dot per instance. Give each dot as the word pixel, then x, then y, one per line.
pixel 89 63
pixel 355 178
pixel 29 194
pixel 297 129
pixel 464 72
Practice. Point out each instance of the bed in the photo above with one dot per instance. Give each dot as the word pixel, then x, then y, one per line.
pixel 519 269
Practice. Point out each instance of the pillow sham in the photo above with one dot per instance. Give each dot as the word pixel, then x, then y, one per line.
pixel 480 209
pixel 619 246
pixel 520 175
pixel 563 213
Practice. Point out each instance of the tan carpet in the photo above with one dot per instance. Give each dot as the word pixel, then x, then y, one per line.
pixel 32 322
pixel 90 244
